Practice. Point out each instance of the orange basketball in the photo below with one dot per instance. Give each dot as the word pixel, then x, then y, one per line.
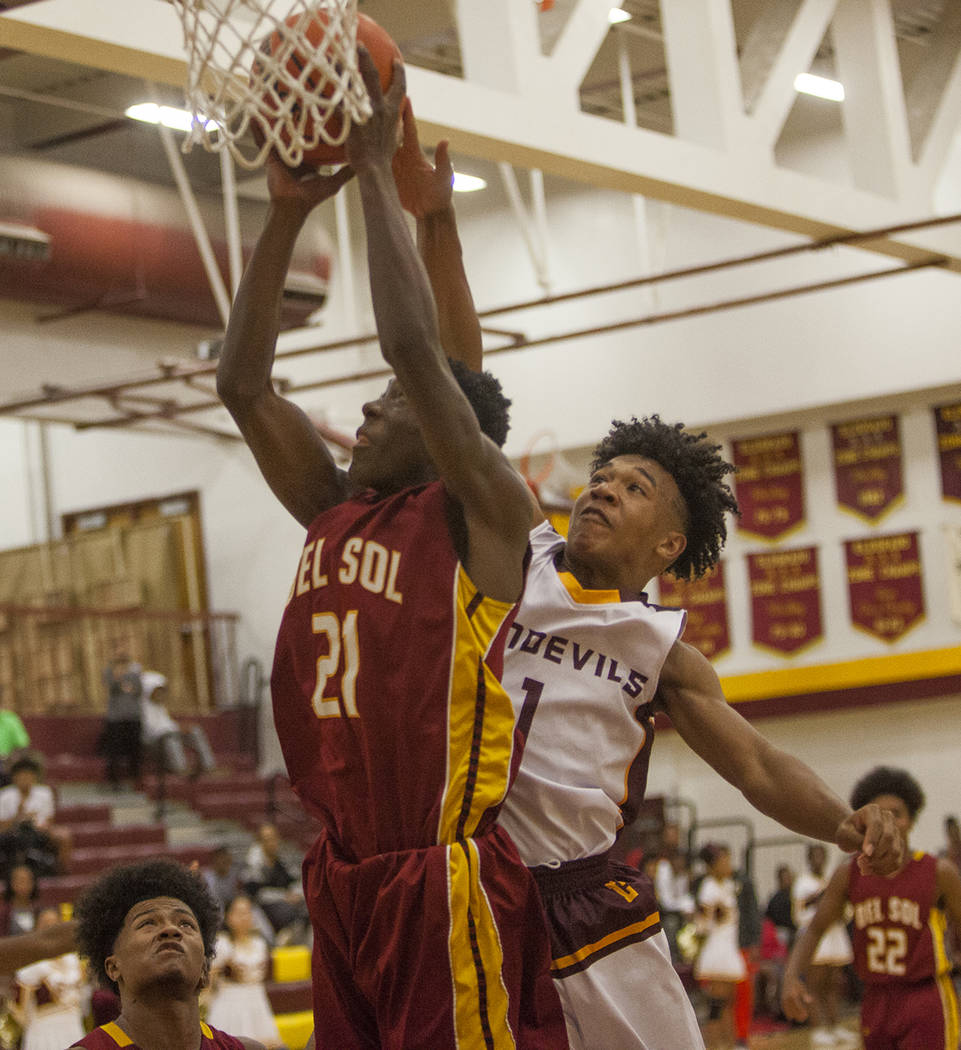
pixel 382 50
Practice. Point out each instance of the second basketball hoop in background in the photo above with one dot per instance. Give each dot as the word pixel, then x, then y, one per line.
pixel 283 74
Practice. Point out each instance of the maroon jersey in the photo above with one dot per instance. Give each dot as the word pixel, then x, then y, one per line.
pixel 110 1036
pixel 396 731
pixel 898 928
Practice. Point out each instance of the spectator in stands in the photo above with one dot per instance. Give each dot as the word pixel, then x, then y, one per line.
pixel 162 737
pixel 238 976
pixel 13 738
pixel 777 936
pixel 18 910
pixel 27 830
pixel 780 907
pixel 673 888
pixel 148 931
pixel 223 880
pixel 268 881
pixel 122 732
pixel 48 996
pixel 952 834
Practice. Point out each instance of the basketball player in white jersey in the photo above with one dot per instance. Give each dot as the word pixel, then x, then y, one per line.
pixel 589 662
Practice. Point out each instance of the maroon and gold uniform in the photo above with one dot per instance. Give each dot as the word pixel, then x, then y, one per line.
pixel 909 1002
pixel 399 737
pixel 110 1036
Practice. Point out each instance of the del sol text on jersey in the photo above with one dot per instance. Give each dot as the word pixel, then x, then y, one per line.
pixel 365 562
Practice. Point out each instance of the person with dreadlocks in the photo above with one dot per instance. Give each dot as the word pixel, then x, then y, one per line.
pixel 909 1002
pixel 589 661
pixel 148 931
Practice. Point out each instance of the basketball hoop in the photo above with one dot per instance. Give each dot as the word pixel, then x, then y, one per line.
pixel 286 70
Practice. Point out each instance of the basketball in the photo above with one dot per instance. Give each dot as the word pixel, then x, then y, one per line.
pixel 303 69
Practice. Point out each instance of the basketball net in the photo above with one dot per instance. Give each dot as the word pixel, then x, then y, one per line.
pixel 251 67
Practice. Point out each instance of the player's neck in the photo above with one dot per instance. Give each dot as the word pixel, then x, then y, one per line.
pixel 173 1024
pixel 596 577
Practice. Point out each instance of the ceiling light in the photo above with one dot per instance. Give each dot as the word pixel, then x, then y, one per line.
pixel 822 87
pixel 169 116
pixel 468 183
pixel 618 14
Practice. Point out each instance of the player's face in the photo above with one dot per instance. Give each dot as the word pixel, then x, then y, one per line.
pixel 390 453
pixel 159 944
pixel 897 809
pixel 626 525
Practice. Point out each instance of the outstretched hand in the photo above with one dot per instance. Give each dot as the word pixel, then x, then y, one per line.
pixel 304 184
pixel 424 188
pixel 871 832
pixel 795 1000
pixel 375 141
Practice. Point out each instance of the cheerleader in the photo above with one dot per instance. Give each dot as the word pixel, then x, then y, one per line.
pixel 48 997
pixel 239 998
pixel 719 964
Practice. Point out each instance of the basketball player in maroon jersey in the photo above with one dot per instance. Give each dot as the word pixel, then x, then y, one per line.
pixel 396 732
pixel 899 923
pixel 149 931
pixel 611 961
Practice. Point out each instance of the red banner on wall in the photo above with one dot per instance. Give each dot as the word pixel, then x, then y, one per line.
pixel 769 484
pixel 867 465
pixel 785 599
pixel 706 603
pixel 947 419
pixel 884 584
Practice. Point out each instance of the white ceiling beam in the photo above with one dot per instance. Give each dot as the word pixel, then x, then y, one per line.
pixel 874 113
pixel 701 53
pixel 576 48
pixel 781 44
pixel 499 44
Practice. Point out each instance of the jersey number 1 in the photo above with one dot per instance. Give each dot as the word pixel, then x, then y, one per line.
pixel 339 635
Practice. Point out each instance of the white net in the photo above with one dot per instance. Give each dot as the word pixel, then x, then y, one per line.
pixel 284 70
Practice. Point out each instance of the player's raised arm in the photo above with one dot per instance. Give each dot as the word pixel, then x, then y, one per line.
pixel 774 782
pixel 290 453
pixel 494 500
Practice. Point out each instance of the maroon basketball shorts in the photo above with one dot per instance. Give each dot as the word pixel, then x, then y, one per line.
pixel 922 1016
pixel 441 948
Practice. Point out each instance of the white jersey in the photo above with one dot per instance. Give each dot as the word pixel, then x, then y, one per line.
pixel 581 668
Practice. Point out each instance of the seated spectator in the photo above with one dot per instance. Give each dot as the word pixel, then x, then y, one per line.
pixel 268 881
pixel 27 831
pixel 48 997
pixel 13 739
pixel 165 739
pixel 148 932
pixel 223 880
pixel 122 731
pixel 18 909
pixel 239 973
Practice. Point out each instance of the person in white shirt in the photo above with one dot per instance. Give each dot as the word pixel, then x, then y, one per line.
pixel 27 809
pixel 162 735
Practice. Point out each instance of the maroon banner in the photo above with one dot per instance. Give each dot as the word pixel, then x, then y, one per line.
pixel 768 484
pixel 785 599
pixel 947 419
pixel 884 584
pixel 706 603
pixel 867 465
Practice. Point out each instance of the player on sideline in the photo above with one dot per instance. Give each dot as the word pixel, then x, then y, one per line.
pixel 396 732
pixel 588 664
pixel 899 923
pixel 149 931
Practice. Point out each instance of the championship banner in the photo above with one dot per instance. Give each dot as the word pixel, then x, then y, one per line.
pixel 867 465
pixel 768 484
pixel 947 419
pixel 785 599
pixel 884 584
pixel 706 604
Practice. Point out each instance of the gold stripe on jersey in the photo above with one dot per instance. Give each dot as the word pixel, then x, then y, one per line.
pixel 938 925
pixel 587 597
pixel 204 1028
pixel 117 1034
pixel 476 957
pixel 949 1004
pixel 605 942
pixel 480 717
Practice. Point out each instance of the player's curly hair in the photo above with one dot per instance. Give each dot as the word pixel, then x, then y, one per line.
pixel 101 911
pixel 885 780
pixel 698 471
pixel 487 399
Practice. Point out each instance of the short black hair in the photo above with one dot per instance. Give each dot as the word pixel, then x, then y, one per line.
pixel 27 761
pixel 486 398
pixel 698 471
pixel 102 909
pixel 885 780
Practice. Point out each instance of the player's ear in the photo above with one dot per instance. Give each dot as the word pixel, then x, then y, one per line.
pixel 672 546
pixel 110 968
